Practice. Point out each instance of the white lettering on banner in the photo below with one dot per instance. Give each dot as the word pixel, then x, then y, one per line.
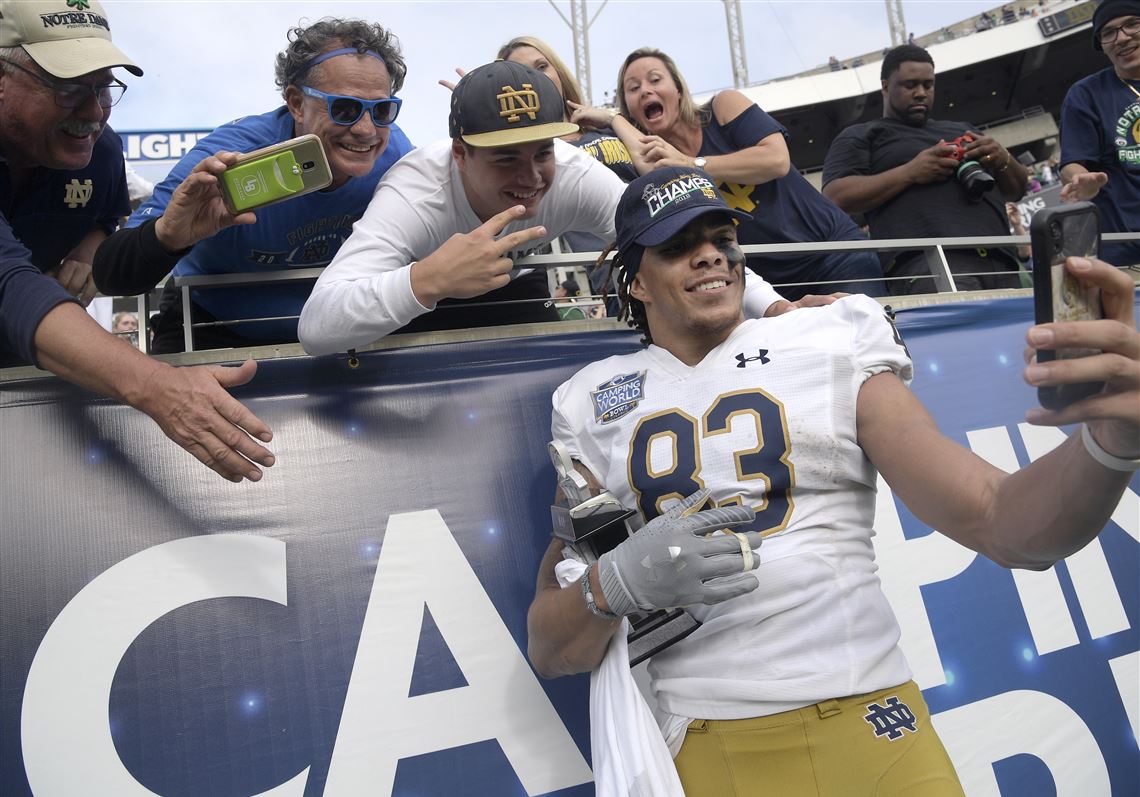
pixel 904 567
pixel 1050 623
pixel 421 564
pixel 64 727
pixel 981 733
pixel 181 143
pixel 1126 673
pixel 155 147
pixel 159 146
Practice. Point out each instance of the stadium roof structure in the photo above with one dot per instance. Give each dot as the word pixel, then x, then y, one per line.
pixel 1011 76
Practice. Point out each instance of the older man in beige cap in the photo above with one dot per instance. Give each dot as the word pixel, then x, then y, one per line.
pixel 62 190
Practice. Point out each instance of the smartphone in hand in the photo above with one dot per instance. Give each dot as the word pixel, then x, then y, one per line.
pixel 276 173
pixel 1055 234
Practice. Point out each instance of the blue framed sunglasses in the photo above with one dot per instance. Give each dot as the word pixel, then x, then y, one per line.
pixel 347 111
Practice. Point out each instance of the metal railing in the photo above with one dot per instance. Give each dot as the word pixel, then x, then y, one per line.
pixel 933 250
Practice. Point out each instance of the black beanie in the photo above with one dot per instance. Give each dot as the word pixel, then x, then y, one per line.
pixel 1111 9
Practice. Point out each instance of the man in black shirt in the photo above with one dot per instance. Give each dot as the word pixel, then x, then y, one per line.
pixel 902 174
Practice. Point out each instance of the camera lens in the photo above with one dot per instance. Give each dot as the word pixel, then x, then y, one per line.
pixel 974 179
pixel 308 165
pixel 1055 232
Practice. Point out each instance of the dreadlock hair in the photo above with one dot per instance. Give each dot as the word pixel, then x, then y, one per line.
pixel 630 310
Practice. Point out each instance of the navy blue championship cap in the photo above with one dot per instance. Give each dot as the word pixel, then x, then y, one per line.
pixel 504 103
pixel 658 205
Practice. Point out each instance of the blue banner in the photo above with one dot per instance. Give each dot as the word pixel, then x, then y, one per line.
pixel 356 622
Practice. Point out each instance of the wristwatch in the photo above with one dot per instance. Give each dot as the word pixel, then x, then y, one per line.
pixel 700 162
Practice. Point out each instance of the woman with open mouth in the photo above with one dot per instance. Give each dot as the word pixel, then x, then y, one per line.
pixel 744 151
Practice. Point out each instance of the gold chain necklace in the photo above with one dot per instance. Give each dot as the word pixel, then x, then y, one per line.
pixel 1130 86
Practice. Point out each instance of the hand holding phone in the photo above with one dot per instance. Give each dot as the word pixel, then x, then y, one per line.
pixel 273 174
pixel 1056 234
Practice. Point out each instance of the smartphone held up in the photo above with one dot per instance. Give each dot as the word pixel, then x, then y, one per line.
pixel 1056 234
pixel 276 173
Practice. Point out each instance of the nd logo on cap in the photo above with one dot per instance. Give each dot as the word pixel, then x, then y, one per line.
pixel 503 104
pixel 513 101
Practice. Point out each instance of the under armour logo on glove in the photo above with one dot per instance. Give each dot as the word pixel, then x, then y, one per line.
pixel 761 355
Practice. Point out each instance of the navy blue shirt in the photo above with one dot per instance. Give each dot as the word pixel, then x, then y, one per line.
pixel 1100 123
pixel 26 295
pixel 56 209
pixel 786 210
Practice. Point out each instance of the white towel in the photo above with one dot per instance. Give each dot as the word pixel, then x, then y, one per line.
pixel 629 752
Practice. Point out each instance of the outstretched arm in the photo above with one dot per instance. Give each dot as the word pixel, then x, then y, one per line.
pixel 190 405
pixel 1056 505
pixel 1079 184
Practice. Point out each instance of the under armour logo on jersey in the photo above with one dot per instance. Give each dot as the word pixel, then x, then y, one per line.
pixel 761 355
pixel 77 194
pixel 890 720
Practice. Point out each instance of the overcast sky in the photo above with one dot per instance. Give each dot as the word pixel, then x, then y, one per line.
pixel 209 61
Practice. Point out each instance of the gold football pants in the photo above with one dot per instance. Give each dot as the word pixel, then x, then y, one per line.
pixel 875 745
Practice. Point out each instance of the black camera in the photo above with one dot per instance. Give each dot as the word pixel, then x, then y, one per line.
pixel 970 173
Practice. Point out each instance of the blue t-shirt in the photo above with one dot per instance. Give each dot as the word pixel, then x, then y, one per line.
pixel 1100 129
pixel 56 209
pixel 304 232
pixel 786 210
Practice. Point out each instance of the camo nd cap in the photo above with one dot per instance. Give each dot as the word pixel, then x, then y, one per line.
pixel 505 103
pixel 67 38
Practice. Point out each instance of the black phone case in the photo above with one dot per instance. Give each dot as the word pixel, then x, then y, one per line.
pixel 1044 251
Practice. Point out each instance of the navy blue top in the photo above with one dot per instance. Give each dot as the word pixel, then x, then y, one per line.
pixel 787 210
pixel 1100 129
pixel 41 217
pixel 26 296
pixel 603 145
pixel 56 209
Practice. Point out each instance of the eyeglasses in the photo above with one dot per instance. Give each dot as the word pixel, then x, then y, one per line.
pixel 69 94
pixel 1129 28
pixel 348 110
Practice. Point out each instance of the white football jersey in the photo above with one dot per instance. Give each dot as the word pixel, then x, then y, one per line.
pixel 767 419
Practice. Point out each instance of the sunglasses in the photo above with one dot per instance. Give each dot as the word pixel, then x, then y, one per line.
pixel 69 94
pixel 348 110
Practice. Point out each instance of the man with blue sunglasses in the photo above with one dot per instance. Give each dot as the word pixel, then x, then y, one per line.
pixel 337 78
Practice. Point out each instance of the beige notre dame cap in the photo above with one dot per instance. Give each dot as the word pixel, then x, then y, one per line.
pixel 68 38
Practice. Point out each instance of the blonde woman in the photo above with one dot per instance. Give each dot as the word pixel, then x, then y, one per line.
pixel 744 150
pixel 597 135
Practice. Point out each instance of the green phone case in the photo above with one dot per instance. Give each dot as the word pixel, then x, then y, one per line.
pixel 263 180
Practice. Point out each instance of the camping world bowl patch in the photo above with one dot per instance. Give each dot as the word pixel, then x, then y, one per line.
pixel 615 398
